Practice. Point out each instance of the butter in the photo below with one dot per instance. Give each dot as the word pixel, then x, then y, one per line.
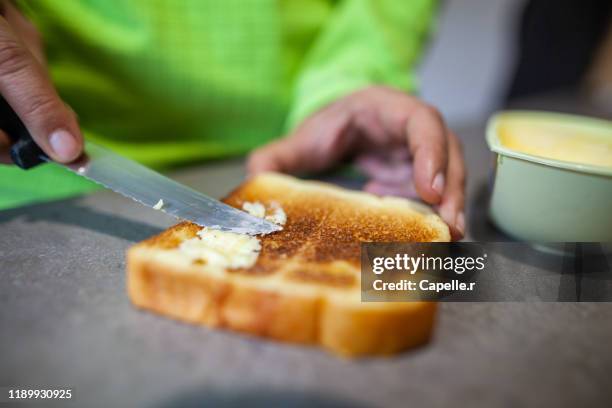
pixel 256 209
pixel 228 250
pixel 225 250
pixel 275 214
pixel 556 141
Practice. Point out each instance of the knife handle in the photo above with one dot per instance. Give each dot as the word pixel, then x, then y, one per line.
pixel 25 153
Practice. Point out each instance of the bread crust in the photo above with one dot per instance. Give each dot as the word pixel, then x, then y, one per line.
pixel 305 294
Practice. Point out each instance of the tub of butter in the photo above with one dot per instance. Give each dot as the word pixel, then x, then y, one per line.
pixel 553 176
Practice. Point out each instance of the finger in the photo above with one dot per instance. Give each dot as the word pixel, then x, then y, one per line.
pixel 27 88
pixel 390 173
pixel 318 144
pixel 427 142
pixel 380 188
pixel 451 208
pixel 390 168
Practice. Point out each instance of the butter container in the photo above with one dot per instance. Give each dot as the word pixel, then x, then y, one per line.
pixel 542 199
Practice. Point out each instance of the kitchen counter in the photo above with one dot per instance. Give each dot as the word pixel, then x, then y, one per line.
pixel 65 321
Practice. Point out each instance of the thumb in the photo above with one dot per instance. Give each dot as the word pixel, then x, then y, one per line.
pixel 318 144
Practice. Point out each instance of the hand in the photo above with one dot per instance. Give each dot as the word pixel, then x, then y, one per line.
pixel 381 129
pixel 26 86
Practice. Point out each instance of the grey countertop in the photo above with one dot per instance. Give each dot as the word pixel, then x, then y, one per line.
pixel 65 321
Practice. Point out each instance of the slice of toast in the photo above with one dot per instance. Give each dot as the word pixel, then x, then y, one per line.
pixel 305 284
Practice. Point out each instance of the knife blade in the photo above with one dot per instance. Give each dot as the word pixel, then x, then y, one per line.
pixel 148 187
pixel 134 180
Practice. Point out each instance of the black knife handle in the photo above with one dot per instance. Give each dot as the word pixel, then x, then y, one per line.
pixel 25 153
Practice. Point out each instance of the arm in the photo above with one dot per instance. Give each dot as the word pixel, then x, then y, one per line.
pixel 351 100
pixel 366 42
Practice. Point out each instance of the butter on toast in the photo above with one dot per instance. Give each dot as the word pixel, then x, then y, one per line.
pixel 304 286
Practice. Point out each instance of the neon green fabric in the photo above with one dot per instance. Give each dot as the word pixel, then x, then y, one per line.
pixel 168 82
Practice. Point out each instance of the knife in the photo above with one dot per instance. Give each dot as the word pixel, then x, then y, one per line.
pixel 134 181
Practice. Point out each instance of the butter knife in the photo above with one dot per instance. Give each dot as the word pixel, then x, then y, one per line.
pixel 135 181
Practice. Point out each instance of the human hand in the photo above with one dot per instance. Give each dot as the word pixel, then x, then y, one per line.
pixel 26 86
pixel 400 142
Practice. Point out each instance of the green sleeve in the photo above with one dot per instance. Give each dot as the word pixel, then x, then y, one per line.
pixel 365 42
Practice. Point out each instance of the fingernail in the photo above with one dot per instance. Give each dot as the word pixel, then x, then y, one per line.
pixel 64 145
pixel 438 184
pixel 460 222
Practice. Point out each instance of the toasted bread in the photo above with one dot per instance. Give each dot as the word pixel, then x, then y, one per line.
pixel 305 284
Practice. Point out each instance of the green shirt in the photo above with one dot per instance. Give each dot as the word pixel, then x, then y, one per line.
pixel 175 81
